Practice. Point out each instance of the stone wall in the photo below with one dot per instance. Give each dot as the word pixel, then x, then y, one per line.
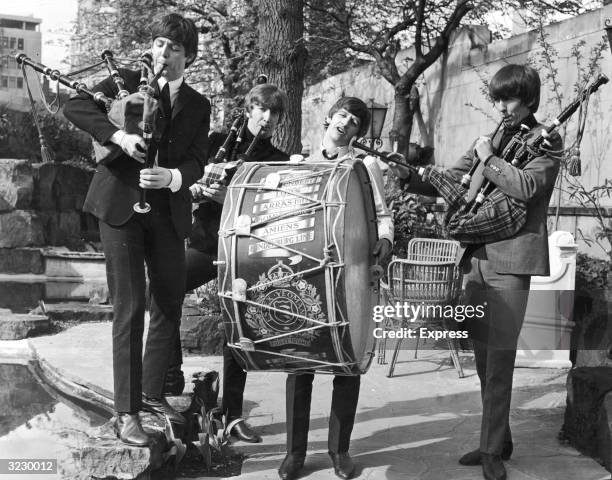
pixel 40 204
pixel 455 111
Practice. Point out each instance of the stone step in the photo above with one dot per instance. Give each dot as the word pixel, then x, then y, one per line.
pixel 78 312
pixel 16 326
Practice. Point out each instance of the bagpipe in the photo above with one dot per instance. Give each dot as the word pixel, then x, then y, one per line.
pixel 492 215
pixel 134 113
pixel 227 159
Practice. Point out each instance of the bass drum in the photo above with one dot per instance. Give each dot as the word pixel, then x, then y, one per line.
pixel 297 280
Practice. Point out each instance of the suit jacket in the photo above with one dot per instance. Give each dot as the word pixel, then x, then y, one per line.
pixel 114 188
pixel 526 252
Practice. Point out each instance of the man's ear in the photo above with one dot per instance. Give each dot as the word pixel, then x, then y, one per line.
pixel 326 122
pixel 190 59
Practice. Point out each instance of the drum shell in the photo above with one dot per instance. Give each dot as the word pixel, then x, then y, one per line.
pixel 343 294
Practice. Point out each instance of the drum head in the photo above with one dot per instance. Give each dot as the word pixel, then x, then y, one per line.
pixel 295 278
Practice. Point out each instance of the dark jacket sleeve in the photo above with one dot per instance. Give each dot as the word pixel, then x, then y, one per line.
pixel 91 116
pixel 196 156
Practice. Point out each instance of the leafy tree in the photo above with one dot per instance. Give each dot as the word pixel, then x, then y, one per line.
pixel 379 31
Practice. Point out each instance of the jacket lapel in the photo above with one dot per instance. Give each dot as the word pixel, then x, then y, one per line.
pixel 181 100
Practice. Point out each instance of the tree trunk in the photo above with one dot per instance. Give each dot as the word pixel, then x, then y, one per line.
pixel 283 56
pixel 402 121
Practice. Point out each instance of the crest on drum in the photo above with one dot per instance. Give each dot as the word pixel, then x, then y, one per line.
pixel 283 303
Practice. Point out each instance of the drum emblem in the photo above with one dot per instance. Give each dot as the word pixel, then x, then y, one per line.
pixel 284 303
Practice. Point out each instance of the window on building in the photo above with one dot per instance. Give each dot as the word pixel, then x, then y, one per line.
pixel 6 23
pixel 4 81
pixel 5 42
pixel 19 82
pixel 5 61
pixel 12 43
pixel 30 26
pixel 12 63
pixel 12 82
pixel 20 43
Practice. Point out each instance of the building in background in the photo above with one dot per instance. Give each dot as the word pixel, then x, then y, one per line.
pixel 17 34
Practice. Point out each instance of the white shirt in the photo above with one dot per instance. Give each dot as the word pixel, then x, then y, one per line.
pixel 173 85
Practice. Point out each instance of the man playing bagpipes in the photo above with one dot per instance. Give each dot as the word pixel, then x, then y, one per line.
pixel 511 246
pixel 249 140
pixel 174 161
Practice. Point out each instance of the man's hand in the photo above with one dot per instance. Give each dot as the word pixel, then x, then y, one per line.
pixel 134 146
pixel 483 148
pixel 156 177
pixel 398 170
pixel 382 249
pixel 215 192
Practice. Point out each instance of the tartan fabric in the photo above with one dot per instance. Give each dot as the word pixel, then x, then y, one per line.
pixel 499 217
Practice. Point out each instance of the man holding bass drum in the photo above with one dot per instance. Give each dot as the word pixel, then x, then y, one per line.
pixel 347 120
pixel 249 140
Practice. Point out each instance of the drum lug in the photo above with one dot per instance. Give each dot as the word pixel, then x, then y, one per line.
pixel 239 287
pixel 243 225
pixel 218 263
pixel 246 344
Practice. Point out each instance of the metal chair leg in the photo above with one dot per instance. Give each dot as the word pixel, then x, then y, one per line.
pixel 454 353
pixel 394 359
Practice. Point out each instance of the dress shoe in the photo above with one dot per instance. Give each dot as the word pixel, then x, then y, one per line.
pixel 129 430
pixel 291 466
pixel 161 407
pixel 473 458
pixel 493 467
pixel 175 381
pixel 243 432
pixel 343 464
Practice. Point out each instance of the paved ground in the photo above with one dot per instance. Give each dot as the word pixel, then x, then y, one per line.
pixel 412 426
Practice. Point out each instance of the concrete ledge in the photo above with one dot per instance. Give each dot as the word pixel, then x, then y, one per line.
pixel 16 326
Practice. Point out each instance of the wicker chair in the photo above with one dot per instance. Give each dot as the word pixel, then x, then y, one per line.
pixel 428 276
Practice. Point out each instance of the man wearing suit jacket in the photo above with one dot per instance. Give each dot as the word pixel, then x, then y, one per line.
pixel 156 238
pixel 498 274
pixel 264 106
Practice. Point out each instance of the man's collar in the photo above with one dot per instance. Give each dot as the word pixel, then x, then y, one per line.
pixel 173 85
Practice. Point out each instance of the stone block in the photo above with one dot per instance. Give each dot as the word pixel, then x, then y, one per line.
pixel 21 260
pixel 202 334
pixel 20 228
pixel 62 228
pixel 76 312
pixel 21 296
pixel 16 185
pixel 15 326
pixel 61 187
pixel 98 453
pixel 604 432
pixel 586 389
pixel 592 335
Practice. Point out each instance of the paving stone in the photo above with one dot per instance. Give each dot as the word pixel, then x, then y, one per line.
pixel 15 326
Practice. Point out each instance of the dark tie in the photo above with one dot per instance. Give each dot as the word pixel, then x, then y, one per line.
pixel 165 100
